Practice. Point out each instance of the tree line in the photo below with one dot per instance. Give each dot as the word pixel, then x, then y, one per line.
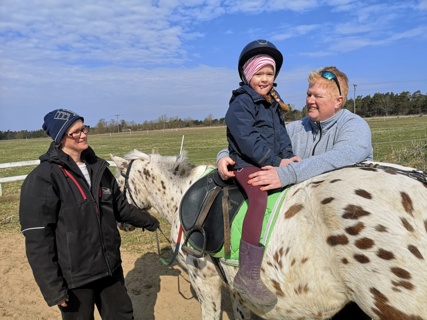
pixel 380 104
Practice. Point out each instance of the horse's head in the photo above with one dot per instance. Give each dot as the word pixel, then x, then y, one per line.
pixel 130 177
pixel 152 180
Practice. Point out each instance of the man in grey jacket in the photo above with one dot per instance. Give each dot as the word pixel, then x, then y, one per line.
pixel 329 138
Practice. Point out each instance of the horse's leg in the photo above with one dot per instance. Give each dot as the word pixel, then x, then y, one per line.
pixel 240 312
pixel 207 284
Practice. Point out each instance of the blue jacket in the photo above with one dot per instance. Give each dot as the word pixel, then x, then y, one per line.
pixel 256 131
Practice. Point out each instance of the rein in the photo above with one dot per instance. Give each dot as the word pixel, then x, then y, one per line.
pixel 178 242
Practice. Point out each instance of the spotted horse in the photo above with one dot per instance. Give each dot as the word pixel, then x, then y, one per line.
pixel 355 234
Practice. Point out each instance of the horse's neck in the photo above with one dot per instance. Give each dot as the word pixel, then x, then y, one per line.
pixel 175 190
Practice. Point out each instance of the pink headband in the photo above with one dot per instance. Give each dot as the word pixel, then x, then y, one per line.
pixel 256 63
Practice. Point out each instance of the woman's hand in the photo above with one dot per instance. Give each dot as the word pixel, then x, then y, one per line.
pixel 267 177
pixel 223 164
pixel 63 303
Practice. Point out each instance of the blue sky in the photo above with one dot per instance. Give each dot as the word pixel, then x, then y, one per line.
pixel 140 60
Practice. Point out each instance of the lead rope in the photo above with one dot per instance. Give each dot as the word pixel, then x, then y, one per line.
pixel 178 242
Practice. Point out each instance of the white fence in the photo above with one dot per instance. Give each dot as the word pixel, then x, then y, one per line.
pixel 22 164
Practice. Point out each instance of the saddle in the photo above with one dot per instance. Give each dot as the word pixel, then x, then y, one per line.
pixel 206 212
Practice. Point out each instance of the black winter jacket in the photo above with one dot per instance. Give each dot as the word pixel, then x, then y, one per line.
pixel 70 229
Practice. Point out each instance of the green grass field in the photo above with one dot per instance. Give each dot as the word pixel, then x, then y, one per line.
pixel 401 140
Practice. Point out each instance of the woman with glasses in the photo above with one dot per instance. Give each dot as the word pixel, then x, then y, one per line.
pixel 328 138
pixel 68 211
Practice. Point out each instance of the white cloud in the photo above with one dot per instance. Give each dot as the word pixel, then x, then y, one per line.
pixel 161 56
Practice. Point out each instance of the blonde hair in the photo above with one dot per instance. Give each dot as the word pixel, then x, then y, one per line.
pixel 315 76
pixel 273 95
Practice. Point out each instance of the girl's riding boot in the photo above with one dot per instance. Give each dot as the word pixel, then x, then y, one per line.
pixel 247 281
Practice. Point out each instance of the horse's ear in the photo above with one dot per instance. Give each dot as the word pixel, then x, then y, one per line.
pixel 120 162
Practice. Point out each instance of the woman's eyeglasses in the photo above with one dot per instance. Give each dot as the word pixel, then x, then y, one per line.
pixel 78 133
pixel 331 76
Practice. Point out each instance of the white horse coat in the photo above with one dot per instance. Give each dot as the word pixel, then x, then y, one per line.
pixel 355 234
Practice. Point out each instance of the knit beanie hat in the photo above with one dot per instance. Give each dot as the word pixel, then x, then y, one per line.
pixel 256 63
pixel 57 122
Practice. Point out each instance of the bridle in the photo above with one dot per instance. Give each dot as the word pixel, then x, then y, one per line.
pixel 126 187
pixel 178 242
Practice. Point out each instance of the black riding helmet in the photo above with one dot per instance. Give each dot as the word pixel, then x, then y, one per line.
pixel 260 47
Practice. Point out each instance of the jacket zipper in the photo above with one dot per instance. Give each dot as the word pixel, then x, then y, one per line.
pixel 320 137
pixel 69 175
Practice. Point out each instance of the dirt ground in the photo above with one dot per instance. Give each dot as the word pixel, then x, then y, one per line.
pixel 157 291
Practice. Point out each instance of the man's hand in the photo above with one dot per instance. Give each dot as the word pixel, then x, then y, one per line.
pixel 286 162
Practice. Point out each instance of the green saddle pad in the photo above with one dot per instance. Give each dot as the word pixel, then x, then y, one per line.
pixel 274 203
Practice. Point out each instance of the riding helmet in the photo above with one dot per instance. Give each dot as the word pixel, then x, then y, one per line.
pixel 260 47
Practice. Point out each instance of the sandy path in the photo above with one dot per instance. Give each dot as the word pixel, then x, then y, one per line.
pixel 157 292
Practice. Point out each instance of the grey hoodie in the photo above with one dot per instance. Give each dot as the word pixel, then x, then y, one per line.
pixel 342 140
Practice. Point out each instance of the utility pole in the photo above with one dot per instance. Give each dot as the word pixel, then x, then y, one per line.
pixel 354 99
pixel 118 128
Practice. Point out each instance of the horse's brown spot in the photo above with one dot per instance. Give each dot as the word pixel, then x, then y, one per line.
pixel 304 260
pixel 363 193
pixel 356 229
pixel 276 286
pixel 337 240
pixel 425 225
pixel 385 255
pixel 361 258
pixel 407 203
pixel 344 260
pixel 293 262
pixel 385 311
pixel 301 289
pixel 278 259
pixel 414 250
pixel 401 273
pixel 354 212
pixel 147 173
pixel 293 210
pixel 381 228
pixel 335 180
pixel 316 183
pixel 364 243
pixel 407 225
pixel 405 284
pixel 327 200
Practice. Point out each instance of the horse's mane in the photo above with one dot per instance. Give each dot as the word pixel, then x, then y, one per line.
pixel 177 165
